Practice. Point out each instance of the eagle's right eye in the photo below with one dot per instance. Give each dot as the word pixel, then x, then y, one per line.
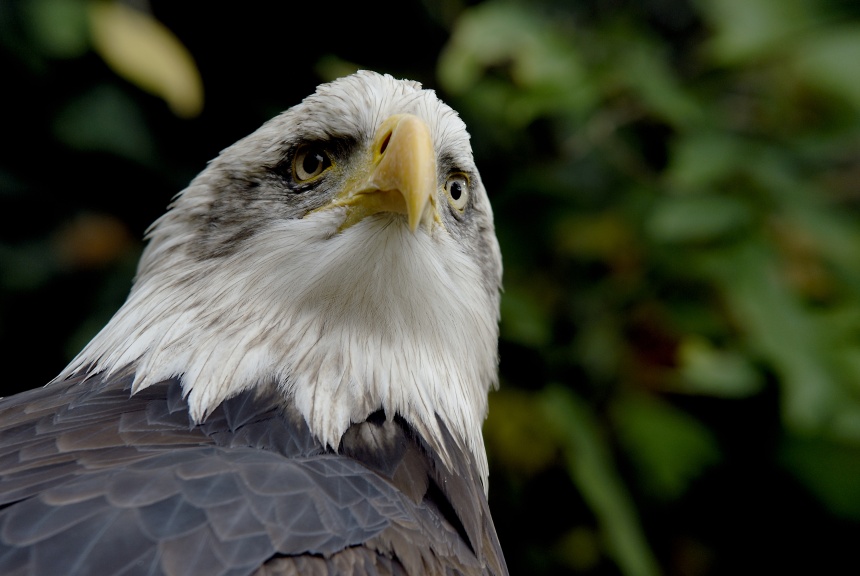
pixel 457 188
pixel 310 161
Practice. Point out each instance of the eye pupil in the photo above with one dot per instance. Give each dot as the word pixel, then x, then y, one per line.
pixel 456 190
pixel 312 162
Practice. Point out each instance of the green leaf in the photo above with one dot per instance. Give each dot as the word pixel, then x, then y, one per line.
pixel 515 433
pixel 545 70
pixel 707 370
pixel 669 447
pixel 701 159
pixel 642 66
pixel 106 120
pixel 830 61
pixel 832 229
pixel 828 469
pixel 696 218
pixel 589 462
pixel 524 317
pixel 58 27
pixel 594 236
pixel 748 29
pixel 783 332
pixel 599 346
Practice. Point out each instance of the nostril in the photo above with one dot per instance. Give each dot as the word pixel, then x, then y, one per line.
pixel 384 144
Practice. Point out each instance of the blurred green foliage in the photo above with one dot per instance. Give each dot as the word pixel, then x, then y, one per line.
pixel 677 201
pixel 677 195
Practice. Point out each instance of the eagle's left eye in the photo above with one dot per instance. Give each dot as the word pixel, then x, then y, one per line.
pixel 310 161
pixel 457 188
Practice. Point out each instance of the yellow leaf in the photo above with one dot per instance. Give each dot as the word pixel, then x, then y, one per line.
pixel 141 50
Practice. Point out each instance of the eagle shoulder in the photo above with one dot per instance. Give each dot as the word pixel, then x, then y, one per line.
pixel 99 481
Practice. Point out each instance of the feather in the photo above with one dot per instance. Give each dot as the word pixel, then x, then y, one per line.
pixel 288 389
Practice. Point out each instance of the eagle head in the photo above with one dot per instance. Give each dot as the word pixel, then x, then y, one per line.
pixel 343 255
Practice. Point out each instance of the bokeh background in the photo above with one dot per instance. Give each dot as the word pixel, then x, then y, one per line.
pixel 677 193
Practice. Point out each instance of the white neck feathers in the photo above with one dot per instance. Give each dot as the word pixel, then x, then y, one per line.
pixel 342 323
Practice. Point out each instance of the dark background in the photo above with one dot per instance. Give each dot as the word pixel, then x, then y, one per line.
pixel 677 194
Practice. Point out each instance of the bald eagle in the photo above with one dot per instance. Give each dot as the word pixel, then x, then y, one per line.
pixel 297 381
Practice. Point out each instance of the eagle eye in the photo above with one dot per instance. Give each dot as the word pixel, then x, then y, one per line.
pixel 457 188
pixel 310 161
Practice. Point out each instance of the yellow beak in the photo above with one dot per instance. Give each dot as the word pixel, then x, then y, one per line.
pixel 402 175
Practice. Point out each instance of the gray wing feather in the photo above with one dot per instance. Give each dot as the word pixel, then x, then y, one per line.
pixel 95 481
